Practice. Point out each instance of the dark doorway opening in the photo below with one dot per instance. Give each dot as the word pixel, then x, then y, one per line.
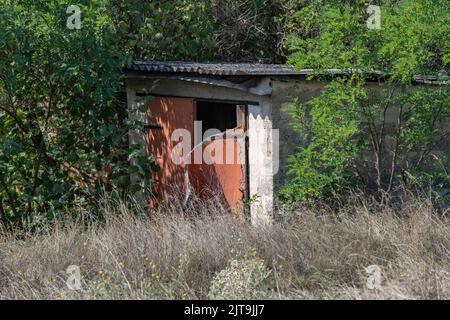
pixel 217 115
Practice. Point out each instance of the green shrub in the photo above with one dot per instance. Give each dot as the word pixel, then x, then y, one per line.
pixel 352 134
pixel 329 126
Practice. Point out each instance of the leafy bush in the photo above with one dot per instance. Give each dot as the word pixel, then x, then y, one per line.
pixel 327 124
pixel 355 135
pixel 205 30
pixel 63 126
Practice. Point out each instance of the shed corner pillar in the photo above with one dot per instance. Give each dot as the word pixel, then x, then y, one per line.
pixel 261 163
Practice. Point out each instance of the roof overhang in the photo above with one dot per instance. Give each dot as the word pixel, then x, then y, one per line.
pixel 241 72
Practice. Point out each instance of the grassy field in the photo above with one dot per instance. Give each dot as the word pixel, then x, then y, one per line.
pixel 307 254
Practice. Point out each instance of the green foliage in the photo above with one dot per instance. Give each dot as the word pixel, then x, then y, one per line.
pixel 426 108
pixel 413 40
pixel 164 30
pixel 62 133
pixel 329 126
pixel 205 30
pixel 425 128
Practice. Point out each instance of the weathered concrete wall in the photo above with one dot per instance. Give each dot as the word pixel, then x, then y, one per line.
pixel 261 161
pixel 284 92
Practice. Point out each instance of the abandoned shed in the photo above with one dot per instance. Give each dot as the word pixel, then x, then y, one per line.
pixel 219 128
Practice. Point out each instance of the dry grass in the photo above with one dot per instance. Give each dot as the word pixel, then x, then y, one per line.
pixel 311 254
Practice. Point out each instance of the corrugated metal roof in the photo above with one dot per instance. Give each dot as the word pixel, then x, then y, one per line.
pixel 251 69
pixel 227 69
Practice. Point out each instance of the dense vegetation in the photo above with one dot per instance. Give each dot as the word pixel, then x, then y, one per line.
pixel 63 124
pixel 354 136
pixel 63 130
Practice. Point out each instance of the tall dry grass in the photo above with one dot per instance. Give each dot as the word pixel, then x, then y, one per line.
pixel 307 254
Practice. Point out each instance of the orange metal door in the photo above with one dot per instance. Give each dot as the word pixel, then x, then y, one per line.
pixel 165 115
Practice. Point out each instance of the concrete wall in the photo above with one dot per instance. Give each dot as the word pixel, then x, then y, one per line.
pixel 284 92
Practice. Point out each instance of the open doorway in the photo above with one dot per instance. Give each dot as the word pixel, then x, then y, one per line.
pixel 220 115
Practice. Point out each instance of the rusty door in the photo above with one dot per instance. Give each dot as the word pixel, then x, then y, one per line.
pixel 220 177
pixel 165 115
